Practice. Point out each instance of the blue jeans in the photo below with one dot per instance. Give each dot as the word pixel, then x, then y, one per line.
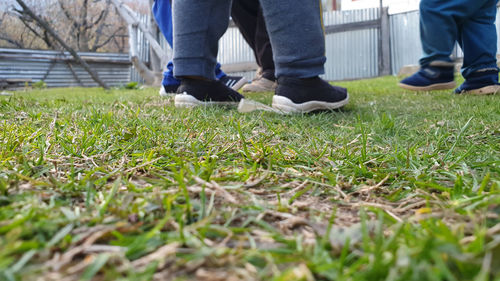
pixel 162 11
pixel 294 26
pixel 470 22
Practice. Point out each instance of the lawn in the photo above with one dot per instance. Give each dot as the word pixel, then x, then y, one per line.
pixel 121 185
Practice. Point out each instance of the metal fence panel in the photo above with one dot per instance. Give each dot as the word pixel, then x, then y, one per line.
pixel 406 48
pixel 352 54
pixel 54 67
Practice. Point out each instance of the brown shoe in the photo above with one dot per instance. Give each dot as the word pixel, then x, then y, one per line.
pixel 260 85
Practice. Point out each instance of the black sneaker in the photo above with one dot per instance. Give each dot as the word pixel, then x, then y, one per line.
pixel 233 82
pixel 194 92
pixel 294 95
pixel 168 90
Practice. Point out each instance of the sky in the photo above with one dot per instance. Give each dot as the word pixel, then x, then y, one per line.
pixel 395 6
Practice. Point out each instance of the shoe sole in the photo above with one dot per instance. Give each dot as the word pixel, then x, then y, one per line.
pixel 433 87
pixel 187 101
pixel 164 94
pixel 488 90
pixel 286 105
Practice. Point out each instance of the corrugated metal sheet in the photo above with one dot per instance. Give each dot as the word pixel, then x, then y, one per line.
pixel 142 48
pixel 406 47
pixel 352 54
pixel 52 67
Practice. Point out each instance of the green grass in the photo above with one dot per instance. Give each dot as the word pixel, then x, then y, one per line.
pixel 121 185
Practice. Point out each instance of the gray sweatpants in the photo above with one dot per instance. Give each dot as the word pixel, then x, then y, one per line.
pixel 294 27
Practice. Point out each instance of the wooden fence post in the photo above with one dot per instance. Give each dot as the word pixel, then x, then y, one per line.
pixel 384 54
pixel 153 75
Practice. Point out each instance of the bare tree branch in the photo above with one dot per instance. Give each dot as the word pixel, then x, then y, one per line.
pixel 111 37
pixel 85 29
pixel 25 20
pixel 11 41
pixel 46 26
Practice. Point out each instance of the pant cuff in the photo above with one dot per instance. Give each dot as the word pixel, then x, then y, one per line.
pixel 194 67
pixel 302 69
pixel 468 71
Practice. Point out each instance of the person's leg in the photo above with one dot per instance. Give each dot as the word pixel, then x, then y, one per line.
pixel 439 28
pixel 169 82
pixel 478 40
pixel 438 34
pixel 244 14
pixel 263 48
pixel 198 26
pixel 299 56
pixel 249 18
pixel 219 74
pixel 296 33
pixel 440 21
pixel 162 12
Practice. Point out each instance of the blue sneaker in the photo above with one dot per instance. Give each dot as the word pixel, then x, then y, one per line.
pixel 482 82
pixel 430 78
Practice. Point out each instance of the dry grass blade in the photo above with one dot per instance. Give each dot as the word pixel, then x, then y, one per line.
pixel 142 165
pixel 60 261
pixel 255 182
pixel 218 189
pixel 290 221
pixel 159 255
pixel 410 207
pixel 336 188
pixel 494 230
pixel 104 249
pixel 368 189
